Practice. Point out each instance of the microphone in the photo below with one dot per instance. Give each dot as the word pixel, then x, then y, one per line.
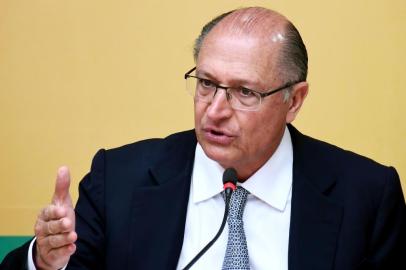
pixel 229 184
pixel 229 181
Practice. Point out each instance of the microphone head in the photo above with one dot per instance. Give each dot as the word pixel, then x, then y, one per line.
pixel 230 175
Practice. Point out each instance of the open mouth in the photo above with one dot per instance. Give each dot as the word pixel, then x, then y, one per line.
pixel 218 136
pixel 217 133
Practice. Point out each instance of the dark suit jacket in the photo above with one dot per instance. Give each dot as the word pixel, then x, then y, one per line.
pixel 348 212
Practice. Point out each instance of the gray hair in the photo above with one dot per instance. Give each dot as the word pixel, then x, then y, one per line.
pixel 292 60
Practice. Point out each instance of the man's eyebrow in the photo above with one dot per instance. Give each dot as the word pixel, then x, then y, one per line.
pixel 205 74
pixel 234 82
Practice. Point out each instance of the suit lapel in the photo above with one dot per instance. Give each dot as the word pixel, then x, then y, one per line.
pixel 315 220
pixel 159 211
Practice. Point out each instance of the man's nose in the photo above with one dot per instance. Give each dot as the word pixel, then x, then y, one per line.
pixel 219 107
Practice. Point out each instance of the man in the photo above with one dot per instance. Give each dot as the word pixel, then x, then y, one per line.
pixel 156 203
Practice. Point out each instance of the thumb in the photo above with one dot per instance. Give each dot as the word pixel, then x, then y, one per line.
pixel 61 194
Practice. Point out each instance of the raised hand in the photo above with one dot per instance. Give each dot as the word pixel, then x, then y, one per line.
pixel 55 227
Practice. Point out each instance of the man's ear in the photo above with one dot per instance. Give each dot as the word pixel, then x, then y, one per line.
pixel 297 97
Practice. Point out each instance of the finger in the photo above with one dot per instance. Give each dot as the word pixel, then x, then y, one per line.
pixel 55 258
pixel 63 251
pixel 52 212
pixel 60 226
pixel 63 225
pixel 61 194
pixel 57 240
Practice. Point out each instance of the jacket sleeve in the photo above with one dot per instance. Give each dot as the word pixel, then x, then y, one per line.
pixel 388 242
pixel 90 219
pixel 16 259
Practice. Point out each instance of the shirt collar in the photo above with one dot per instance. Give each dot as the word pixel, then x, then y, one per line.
pixel 272 183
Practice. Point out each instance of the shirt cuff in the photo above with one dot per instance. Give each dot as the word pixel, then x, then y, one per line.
pixel 30 259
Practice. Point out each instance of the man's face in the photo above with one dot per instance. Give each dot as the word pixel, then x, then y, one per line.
pixel 244 140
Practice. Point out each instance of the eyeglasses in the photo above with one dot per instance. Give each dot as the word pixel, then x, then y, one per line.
pixel 240 98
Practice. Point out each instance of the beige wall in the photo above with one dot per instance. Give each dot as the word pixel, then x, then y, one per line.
pixel 76 76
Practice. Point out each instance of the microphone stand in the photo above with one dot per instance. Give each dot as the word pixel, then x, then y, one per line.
pixel 223 223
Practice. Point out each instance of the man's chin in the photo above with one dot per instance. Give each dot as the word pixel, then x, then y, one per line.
pixel 220 154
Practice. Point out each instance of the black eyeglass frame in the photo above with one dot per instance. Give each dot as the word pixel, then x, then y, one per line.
pixel 262 94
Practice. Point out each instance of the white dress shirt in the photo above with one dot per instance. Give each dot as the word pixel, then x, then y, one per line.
pixel 266 215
